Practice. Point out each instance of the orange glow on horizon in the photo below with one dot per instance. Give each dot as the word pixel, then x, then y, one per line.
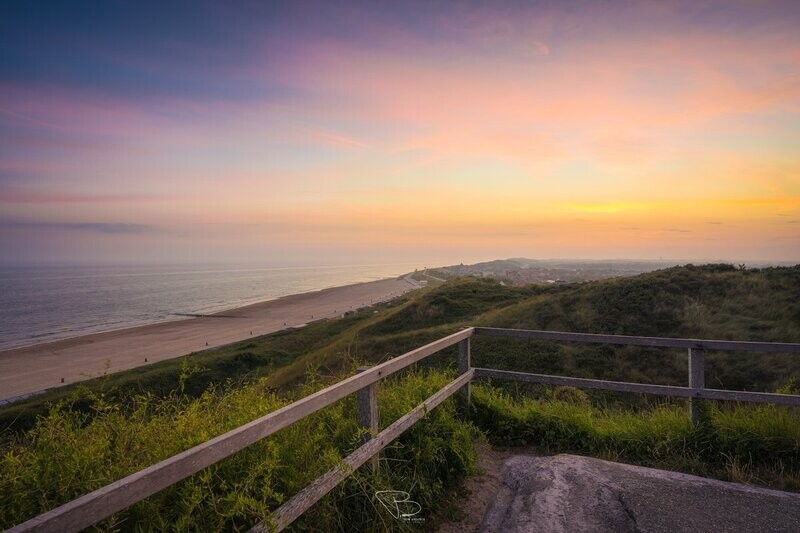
pixel 641 130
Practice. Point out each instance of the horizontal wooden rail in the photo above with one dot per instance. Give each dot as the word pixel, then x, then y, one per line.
pixel 303 500
pixel 663 342
pixel 104 502
pixel 641 388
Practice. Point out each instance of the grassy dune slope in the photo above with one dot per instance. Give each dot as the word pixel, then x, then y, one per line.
pixel 713 301
pixel 115 425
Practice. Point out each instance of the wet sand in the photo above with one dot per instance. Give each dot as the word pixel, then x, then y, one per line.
pixel 42 366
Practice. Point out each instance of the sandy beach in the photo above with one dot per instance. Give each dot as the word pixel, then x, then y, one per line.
pixel 42 366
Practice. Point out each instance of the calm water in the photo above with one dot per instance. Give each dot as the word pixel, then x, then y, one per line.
pixel 48 303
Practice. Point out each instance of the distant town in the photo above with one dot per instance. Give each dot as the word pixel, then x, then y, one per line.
pixel 523 271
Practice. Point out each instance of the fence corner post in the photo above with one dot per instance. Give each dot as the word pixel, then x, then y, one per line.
pixel 697 381
pixel 367 404
pixel 464 364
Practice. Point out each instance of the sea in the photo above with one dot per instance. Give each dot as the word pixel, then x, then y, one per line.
pixel 47 303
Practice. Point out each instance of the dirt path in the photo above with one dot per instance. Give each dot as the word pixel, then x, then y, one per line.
pixel 481 489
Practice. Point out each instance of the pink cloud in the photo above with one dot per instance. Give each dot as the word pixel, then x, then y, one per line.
pixel 588 82
pixel 60 197
pixel 331 138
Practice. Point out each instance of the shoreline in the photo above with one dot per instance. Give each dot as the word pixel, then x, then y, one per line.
pixel 219 311
pixel 31 369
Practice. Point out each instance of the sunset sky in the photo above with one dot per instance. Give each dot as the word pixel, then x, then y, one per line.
pixel 431 132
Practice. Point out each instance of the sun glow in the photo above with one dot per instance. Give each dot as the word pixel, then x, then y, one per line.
pixel 509 132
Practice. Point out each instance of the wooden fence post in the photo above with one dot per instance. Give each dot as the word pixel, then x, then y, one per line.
pixel 464 364
pixel 697 380
pixel 367 402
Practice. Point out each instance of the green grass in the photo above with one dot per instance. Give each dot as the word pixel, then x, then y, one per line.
pixel 757 444
pixel 712 301
pixel 240 361
pixel 62 444
pixel 68 453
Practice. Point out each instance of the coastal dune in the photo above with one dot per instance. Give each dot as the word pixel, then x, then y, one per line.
pixel 35 368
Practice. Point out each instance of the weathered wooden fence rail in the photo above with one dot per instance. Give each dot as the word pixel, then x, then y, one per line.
pixel 104 502
pixel 696 366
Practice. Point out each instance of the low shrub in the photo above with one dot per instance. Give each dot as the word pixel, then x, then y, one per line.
pixel 69 453
pixel 760 444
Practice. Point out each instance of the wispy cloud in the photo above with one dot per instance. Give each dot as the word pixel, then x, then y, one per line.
pixel 63 197
pixel 538 48
pixel 96 227
pixel 610 123
pixel 332 138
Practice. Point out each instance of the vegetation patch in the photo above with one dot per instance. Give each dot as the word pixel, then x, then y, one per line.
pixel 60 445
pixel 755 444
pixel 68 454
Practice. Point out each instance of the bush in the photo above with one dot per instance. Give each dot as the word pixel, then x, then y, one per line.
pixel 69 453
pixel 754 443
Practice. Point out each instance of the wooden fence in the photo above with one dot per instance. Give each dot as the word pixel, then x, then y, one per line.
pixel 104 502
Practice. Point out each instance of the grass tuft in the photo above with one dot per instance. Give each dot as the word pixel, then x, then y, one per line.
pixel 69 453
